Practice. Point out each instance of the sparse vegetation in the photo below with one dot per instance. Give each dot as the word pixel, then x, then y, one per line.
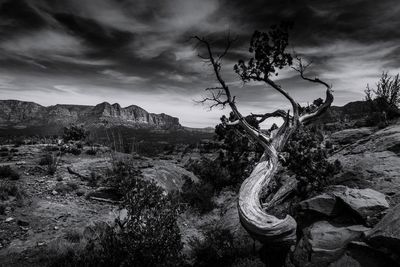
pixel 220 248
pixel 150 237
pixel 7 172
pixel 65 188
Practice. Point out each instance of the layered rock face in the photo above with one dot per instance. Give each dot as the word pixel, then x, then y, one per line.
pixel 20 114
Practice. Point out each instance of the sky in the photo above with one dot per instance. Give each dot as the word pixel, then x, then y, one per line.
pixel 140 51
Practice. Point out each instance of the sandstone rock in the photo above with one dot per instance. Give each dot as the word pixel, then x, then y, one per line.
pixel 323 243
pixel 373 163
pixel 22 114
pixel 386 233
pixel 363 255
pixel 323 204
pixel 367 203
pixel 350 136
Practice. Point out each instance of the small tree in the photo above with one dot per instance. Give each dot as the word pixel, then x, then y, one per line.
pixel 269 55
pixel 386 96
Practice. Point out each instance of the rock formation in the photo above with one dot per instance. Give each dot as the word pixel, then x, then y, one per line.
pixel 20 114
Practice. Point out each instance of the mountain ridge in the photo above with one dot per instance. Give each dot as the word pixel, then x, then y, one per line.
pixel 19 114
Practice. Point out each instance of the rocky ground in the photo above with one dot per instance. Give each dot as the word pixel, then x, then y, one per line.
pixel 354 222
pixel 55 207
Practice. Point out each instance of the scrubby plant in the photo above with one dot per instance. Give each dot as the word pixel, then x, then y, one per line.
pixel 385 99
pixel 308 160
pixel 74 133
pixel 219 248
pixel 64 188
pixel 150 237
pixel 197 195
pixel 92 151
pixel 7 172
pixel 7 189
pixel 46 160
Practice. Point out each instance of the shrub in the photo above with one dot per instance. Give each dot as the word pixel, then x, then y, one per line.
pixel 307 159
pixel 74 133
pixel 385 99
pixel 7 189
pixel 46 160
pixel 13 150
pixel 3 149
pixel 93 179
pixel 150 237
pixel 91 152
pixel 74 151
pixel 51 161
pixel 219 248
pixel 8 172
pixel 64 188
pixel 198 195
pixel 4 154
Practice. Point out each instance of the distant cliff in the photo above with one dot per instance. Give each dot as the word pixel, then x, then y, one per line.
pixel 21 114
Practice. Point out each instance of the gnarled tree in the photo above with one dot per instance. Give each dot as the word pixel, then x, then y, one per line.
pixel 269 55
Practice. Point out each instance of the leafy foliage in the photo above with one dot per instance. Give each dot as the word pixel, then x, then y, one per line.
pixel 307 159
pixel 74 133
pixel 269 53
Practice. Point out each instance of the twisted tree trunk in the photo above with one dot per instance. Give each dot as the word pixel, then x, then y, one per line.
pixel 260 225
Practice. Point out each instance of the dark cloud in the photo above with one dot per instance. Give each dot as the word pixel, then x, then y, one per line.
pixel 140 52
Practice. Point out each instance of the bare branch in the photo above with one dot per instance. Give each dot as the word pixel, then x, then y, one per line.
pixel 309 117
pixel 230 100
pixel 263 117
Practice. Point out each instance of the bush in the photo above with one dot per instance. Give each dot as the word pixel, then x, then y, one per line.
pixel 198 195
pixel 13 150
pixel 64 188
pixel 307 159
pixel 3 149
pixel 46 160
pixel 219 248
pixel 8 172
pixel 74 151
pixel 74 133
pixel 7 189
pixel 91 152
pixel 51 161
pixel 150 237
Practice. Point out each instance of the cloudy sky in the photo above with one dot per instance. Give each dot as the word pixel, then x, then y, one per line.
pixel 140 52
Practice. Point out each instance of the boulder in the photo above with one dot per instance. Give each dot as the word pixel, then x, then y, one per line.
pixel 350 136
pixel 373 162
pixel 386 233
pixel 360 254
pixel 367 203
pixel 323 204
pixel 323 243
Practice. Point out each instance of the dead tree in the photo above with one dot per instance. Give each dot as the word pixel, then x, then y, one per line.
pixel 269 56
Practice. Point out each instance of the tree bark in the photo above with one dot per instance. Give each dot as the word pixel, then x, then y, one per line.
pixel 260 225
